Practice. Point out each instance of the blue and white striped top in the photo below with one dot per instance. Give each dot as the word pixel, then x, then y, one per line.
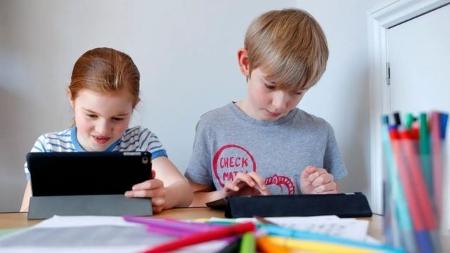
pixel 133 139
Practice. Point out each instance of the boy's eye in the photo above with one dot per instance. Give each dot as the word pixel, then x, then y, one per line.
pixel 92 116
pixel 270 86
pixel 117 119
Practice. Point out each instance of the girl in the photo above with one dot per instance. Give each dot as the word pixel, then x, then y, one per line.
pixel 103 92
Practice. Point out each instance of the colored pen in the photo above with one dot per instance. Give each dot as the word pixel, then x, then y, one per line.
pixel 213 234
pixel 170 224
pixel 232 247
pixel 305 235
pixel 267 246
pixel 423 239
pixel 399 208
pixel 248 243
pixel 317 246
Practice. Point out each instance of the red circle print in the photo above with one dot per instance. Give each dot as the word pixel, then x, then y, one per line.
pixel 231 159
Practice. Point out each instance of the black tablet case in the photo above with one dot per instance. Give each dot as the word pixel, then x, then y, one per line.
pixel 344 205
pixel 87 183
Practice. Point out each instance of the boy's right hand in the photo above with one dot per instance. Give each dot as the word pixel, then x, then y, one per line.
pixel 246 184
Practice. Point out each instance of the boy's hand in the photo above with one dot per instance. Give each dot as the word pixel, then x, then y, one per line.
pixel 246 184
pixel 315 180
pixel 153 188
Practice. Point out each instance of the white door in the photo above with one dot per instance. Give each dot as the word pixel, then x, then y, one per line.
pixel 418 53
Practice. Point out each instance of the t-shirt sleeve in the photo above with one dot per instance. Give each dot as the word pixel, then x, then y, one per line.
pixel 199 166
pixel 150 142
pixel 39 146
pixel 333 159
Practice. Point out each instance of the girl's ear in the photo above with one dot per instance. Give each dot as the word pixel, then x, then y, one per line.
pixel 69 96
pixel 244 64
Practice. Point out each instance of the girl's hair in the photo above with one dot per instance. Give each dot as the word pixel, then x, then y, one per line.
pixel 105 70
pixel 289 45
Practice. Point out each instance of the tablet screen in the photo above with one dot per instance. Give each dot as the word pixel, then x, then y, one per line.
pixel 87 173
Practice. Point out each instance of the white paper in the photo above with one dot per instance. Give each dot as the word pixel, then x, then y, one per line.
pixel 349 228
pixel 90 234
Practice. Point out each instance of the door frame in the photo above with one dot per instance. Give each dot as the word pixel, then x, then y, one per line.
pixel 380 19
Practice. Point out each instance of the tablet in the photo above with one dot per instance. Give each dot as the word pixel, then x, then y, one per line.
pixel 87 173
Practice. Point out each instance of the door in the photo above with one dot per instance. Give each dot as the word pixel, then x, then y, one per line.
pixel 418 53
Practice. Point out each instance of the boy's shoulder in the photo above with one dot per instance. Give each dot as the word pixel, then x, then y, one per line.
pixel 219 112
pixel 307 119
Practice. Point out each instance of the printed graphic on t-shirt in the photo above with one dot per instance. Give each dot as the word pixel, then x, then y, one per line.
pixel 280 184
pixel 231 159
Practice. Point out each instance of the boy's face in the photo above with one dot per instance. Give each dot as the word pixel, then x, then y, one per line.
pixel 101 118
pixel 267 102
pixel 264 100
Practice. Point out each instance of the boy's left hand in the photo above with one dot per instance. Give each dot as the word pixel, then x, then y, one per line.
pixel 153 188
pixel 315 180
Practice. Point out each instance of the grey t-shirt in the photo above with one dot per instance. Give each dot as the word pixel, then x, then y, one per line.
pixel 228 141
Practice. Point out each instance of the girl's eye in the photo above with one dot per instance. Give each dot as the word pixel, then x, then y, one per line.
pixel 117 119
pixel 92 116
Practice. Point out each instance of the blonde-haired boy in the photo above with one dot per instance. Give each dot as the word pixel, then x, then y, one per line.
pixel 263 144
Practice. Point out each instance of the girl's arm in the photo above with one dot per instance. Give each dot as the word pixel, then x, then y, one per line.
pixel 168 188
pixel 178 191
pixel 26 198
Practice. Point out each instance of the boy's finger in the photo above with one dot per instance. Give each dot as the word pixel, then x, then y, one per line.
pixel 330 187
pixel 324 178
pixel 316 174
pixel 258 180
pixel 245 178
pixel 307 172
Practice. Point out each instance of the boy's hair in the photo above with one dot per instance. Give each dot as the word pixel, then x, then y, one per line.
pixel 105 70
pixel 290 46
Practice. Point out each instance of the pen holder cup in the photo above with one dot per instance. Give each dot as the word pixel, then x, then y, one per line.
pixel 415 213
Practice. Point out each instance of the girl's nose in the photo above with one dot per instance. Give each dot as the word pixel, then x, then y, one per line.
pixel 102 127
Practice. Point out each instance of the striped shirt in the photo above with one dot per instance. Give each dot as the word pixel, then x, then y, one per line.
pixel 133 139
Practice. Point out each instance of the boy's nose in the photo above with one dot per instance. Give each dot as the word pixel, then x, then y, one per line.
pixel 280 101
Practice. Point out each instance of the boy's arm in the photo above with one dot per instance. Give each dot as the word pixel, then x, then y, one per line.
pixel 204 194
pixel 26 198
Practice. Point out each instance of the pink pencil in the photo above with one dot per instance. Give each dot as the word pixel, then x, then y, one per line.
pixel 406 181
pixel 437 160
pixel 412 158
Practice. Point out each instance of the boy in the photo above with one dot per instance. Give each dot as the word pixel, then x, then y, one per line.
pixel 263 144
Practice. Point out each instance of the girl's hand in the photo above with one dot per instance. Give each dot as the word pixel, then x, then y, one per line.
pixel 153 188
pixel 246 184
pixel 315 180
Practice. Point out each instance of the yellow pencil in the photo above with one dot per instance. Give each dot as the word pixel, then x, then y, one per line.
pixel 315 246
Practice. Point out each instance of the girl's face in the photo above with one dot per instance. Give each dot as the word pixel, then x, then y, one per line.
pixel 101 118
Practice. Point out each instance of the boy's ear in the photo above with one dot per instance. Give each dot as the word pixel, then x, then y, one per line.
pixel 69 96
pixel 244 64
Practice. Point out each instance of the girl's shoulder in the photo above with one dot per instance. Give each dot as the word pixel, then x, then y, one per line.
pixel 137 132
pixel 64 135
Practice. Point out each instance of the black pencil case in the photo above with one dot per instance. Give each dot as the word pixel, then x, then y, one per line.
pixel 344 205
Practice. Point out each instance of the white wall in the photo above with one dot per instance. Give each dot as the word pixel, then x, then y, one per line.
pixel 186 53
